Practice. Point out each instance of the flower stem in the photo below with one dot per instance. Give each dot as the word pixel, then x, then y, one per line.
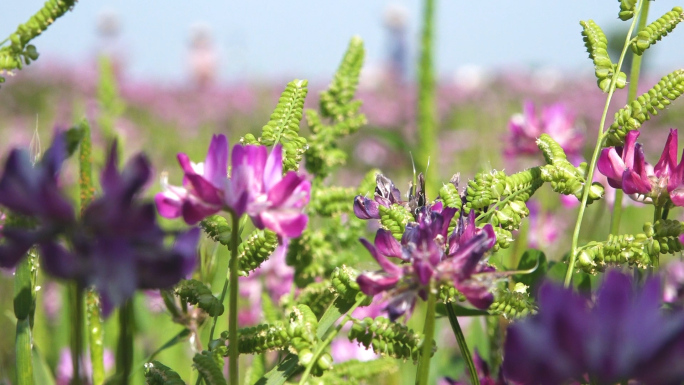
pixel 95 336
pixel 321 347
pixel 427 112
pixel 631 95
pixel 233 302
pixel 76 309
pixel 460 338
pixel 597 149
pixel 24 289
pixel 423 372
pixel 124 349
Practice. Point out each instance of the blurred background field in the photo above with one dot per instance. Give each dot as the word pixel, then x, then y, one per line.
pixel 216 87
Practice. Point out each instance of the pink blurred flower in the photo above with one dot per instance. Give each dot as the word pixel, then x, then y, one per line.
pixel 555 120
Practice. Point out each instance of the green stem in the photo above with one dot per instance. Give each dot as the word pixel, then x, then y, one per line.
pixel 321 347
pixel 94 324
pixel 597 149
pixel 460 338
pixel 233 303
pixel 124 351
pixel 76 308
pixel 631 95
pixel 24 289
pixel 423 372
pixel 427 112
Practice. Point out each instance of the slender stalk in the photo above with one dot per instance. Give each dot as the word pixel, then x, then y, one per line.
pixel 423 372
pixel 233 303
pixel 95 336
pixel 460 338
pixel 427 112
pixel 321 347
pixel 76 307
pixel 631 95
pixel 597 149
pixel 24 289
pixel 124 351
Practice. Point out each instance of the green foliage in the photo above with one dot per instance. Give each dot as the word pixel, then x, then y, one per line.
pixel 356 372
pixel 484 190
pixel 426 119
pixel 283 126
pixel 217 228
pixel 157 373
pixel 565 178
pixel 634 114
pixel 318 296
pixel 627 8
pixel 640 249
pixel 656 30
pixel 387 338
pixel 255 250
pixel 532 259
pixel 336 105
pixel 196 293
pixel 513 304
pixel 208 368
pixel 19 52
pixel 317 253
pixel 85 163
pixel 596 43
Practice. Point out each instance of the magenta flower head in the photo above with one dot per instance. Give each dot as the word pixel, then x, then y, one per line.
pixel 256 187
pixel 202 192
pixel 428 255
pixel 624 336
pixel 555 120
pixel 626 168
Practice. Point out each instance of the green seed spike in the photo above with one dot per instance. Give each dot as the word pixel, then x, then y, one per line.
pixel 255 250
pixel 19 52
pixel 261 338
pixel 387 338
pixel 627 8
pixel 596 43
pixel 217 228
pixel 208 368
pixel 283 125
pixel 513 304
pixel 655 31
pixel 328 201
pixel 339 114
pixel 196 293
pixel 157 373
pixel 634 114
pixel 394 219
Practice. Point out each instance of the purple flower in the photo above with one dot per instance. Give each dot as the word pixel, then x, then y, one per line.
pixel 202 192
pixel 623 336
pixel 556 121
pixel 626 168
pixel 117 246
pixel 427 254
pixel 256 187
pixel 65 370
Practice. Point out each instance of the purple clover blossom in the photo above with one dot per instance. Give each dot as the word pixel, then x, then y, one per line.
pixel 626 168
pixel 673 287
pixel 256 187
pixel 625 335
pixel 555 120
pixel 428 253
pixel 117 246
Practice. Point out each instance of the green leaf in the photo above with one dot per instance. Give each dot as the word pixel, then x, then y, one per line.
pixel 180 337
pixel 529 260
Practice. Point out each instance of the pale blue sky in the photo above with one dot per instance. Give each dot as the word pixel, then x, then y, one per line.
pixel 306 38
